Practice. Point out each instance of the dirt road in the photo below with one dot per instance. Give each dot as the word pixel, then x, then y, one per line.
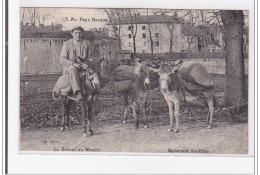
pixel 193 137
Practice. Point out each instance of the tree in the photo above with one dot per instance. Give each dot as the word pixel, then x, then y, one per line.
pixel 169 21
pixel 22 10
pixel 44 14
pixel 36 15
pixel 114 16
pixel 131 18
pixel 233 23
pixel 32 15
pixel 149 30
pixel 192 22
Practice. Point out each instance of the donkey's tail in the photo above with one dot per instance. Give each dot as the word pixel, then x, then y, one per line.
pixel 53 96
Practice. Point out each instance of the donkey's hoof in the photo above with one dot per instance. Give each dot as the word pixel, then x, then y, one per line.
pixel 209 127
pixel 170 129
pixel 146 126
pixel 136 126
pixel 176 130
pixel 90 132
pixel 84 135
pixel 62 128
pixel 124 121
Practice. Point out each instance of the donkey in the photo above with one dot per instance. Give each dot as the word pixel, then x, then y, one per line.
pixel 134 83
pixel 185 81
pixel 91 86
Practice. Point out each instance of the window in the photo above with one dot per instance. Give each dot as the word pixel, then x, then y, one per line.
pixel 211 37
pixel 129 36
pixel 192 40
pixel 213 50
pixel 129 27
pixel 143 27
pixel 143 51
pixel 208 50
pixel 129 44
pixel 144 35
pixel 156 35
pixel 156 27
pixel 144 43
pixel 157 43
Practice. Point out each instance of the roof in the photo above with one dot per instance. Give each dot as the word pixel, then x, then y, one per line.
pixel 138 19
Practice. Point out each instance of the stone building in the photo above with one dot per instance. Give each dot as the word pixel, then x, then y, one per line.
pixel 159 26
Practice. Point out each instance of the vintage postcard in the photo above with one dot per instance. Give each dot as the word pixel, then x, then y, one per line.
pixel 134 80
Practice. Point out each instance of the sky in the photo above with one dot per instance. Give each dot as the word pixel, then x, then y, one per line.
pixel 87 18
pixel 70 17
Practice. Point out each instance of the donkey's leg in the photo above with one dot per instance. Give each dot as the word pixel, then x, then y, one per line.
pixel 208 115
pixel 69 103
pixel 83 113
pixel 211 110
pixel 209 96
pixel 125 96
pixel 144 113
pixel 134 107
pixel 126 108
pixel 89 117
pixel 64 109
pixel 170 105
pixel 177 115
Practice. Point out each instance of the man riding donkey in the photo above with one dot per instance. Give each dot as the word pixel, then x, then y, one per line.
pixel 73 55
pixel 79 82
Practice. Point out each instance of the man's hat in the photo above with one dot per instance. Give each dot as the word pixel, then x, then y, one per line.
pixel 76 27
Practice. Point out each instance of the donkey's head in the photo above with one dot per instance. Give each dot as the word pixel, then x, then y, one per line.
pixel 92 82
pixel 142 72
pixel 166 72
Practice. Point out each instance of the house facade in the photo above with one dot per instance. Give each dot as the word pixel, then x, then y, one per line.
pixel 155 29
pixel 152 29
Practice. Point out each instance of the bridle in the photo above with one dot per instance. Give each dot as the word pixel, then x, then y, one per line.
pixel 168 80
pixel 90 76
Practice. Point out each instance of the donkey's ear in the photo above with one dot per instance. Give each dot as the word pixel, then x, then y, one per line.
pixel 176 65
pixel 153 67
pixel 137 60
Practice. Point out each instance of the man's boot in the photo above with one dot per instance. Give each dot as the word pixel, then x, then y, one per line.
pixel 79 96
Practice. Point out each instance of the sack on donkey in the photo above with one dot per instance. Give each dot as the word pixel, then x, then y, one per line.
pixel 124 72
pixel 123 86
pixel 63 85
pixel 194 76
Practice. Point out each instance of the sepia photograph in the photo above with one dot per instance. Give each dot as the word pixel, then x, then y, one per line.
pixel 127 80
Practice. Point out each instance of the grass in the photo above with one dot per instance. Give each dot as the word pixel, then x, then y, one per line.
pixel 40 110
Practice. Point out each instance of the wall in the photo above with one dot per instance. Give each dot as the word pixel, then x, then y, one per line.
pixel 216 66
pixel 41 55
